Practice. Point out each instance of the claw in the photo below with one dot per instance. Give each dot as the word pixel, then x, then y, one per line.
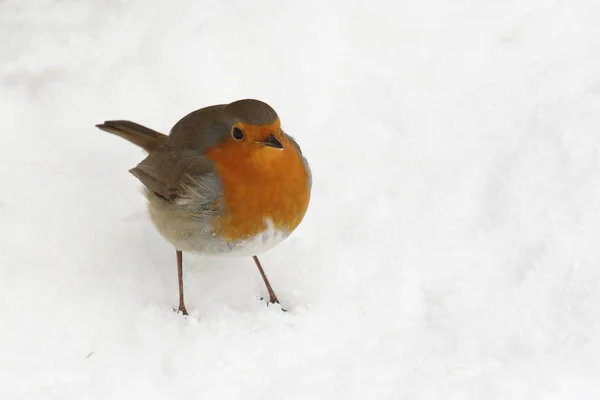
pixel 181 310
pixel 271 301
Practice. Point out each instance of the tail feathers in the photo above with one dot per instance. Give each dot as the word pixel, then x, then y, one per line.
pixel 137 134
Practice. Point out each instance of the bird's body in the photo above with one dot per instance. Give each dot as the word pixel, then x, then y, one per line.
pixel 226 180
pixel 236 209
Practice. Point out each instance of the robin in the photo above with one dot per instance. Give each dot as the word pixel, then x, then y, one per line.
pixel 226 181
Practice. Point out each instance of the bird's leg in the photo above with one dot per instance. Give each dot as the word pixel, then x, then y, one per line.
pixel 272 297
pixel 180 279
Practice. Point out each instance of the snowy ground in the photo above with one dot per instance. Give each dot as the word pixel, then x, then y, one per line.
pixel 452 245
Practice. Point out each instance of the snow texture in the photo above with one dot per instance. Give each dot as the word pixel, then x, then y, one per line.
pixel 452 245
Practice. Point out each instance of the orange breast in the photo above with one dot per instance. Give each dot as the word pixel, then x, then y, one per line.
pixel 260 183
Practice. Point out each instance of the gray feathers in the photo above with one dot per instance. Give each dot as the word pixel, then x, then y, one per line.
pixel 254 112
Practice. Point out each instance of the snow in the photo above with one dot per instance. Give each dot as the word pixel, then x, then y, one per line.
pixel 450 250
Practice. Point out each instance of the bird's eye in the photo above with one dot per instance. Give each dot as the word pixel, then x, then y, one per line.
pixel 237 133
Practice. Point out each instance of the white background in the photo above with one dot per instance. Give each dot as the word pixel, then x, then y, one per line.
pixel 451 249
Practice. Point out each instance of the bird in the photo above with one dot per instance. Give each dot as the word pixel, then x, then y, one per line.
pixel 225 181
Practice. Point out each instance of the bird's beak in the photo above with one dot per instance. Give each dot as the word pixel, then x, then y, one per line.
pixel 271 141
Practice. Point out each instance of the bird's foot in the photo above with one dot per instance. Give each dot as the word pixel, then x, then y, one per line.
pixel 273 301
pixel 181 310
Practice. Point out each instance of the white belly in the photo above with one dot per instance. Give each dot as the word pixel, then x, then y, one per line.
pixel 253 245
pixel 197 236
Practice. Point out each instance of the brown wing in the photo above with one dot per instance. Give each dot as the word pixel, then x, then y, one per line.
pixel 169 173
